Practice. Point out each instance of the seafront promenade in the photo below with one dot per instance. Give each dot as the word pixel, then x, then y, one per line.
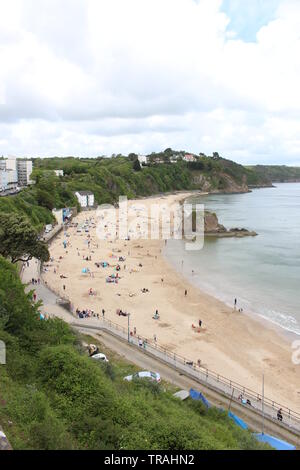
pixel 221 391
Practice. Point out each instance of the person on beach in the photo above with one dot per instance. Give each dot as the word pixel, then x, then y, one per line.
pixel 235 304
pixel 200 323
pixel 186 293
pixel 103 313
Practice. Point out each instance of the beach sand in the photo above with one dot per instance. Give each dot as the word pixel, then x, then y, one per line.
pixel 230 343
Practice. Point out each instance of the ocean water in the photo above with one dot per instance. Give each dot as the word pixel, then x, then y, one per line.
pixel 263 272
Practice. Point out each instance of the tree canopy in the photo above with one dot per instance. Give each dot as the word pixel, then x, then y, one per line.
pixel 19 239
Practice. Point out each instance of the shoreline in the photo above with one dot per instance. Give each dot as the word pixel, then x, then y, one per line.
pixel 253 315
pixel 233 345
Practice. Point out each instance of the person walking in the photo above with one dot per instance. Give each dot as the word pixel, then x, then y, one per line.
pixel 186 293
pixel 279 415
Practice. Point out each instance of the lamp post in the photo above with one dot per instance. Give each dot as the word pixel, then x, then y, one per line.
pixel 128 327
pixel 263 403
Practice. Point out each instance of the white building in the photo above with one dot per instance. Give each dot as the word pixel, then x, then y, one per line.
pixel 8 164
pixel 143 159
pixel 3 180
pixel 24 169
pixel 85 198
pixel 59 172
pixel 8 176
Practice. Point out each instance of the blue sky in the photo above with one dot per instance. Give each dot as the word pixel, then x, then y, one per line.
pixel 248 16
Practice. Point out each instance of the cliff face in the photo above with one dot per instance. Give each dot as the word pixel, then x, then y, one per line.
pixel 219 183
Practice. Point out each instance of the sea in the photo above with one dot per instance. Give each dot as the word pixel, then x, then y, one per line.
pixel 263 272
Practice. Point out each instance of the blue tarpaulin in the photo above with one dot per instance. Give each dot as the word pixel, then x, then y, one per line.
pixel 238 420
pixel 274 442
pixel 198 396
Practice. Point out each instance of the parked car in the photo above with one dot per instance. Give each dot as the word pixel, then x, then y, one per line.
pixel 154 376
pixel 100 357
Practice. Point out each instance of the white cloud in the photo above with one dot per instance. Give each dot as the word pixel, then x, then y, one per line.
pixel 90 77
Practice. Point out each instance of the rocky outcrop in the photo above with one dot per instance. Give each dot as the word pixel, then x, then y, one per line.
pixel 212 228
pixel 211 223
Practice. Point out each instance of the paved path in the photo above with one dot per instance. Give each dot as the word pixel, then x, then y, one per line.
pixel 49 299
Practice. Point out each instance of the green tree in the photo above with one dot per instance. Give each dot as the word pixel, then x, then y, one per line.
pixel 45 199
pixel 19 240
pixel 137 165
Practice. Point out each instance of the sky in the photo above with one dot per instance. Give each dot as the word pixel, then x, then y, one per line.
pixel 97 77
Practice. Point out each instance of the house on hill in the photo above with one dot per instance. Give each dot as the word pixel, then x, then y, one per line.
pixel 189 158
pixel 86 199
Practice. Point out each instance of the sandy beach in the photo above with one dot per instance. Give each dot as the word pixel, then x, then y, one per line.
pixel 230 343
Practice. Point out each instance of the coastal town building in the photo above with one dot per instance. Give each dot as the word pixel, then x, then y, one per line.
pixel 143 159
pixel 189 158
pixel 59 172
pixel 24 170
pixel 8 177
pixel 85 198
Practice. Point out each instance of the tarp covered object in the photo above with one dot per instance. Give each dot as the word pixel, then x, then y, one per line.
pixel 198 396
pixel 182 395
pixel 238 420
pixel 274 442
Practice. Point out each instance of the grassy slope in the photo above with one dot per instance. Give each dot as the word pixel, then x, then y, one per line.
pixel 276 172
pixel 52 396
pixel 110 178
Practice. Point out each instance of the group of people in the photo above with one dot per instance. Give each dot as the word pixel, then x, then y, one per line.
pixel 121 313
pixel 35 282
pixel 86 313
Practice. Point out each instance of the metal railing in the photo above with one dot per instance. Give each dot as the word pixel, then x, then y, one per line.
pixel 212 380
